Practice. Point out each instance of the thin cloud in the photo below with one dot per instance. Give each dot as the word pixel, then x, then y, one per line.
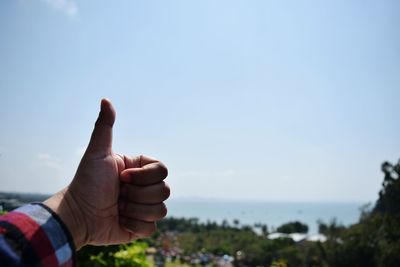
pixel 49 161
pixel 69 7
pixel 225 173
pixel 222 173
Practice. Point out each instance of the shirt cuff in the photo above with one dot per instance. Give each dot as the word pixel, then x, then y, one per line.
pixel 39 236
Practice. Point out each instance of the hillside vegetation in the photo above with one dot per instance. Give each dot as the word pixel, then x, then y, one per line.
pixel 373 241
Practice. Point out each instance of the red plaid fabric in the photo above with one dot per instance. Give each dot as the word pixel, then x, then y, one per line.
pixel 33 235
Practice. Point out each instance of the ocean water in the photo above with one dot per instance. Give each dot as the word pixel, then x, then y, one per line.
pixel 271 213
pixel 247 212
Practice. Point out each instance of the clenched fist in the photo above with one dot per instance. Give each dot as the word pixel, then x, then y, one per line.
pixel 113 198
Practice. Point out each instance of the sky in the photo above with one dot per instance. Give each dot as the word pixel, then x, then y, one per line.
pixel 242 100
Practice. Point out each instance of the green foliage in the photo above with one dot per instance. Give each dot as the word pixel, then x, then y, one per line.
pixel 129 255
pixel 332 230
pixel 389 197
pixel 375 240
pixel 256 250
pixel 293 227
pixel 218 241
pixel 279 263
pixel 292 254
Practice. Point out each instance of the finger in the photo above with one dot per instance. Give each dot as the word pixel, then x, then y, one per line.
pixel 101 140
pixel 147 213
pixel 151 194
pixel 122 236
pixel 147 175
pixel 138 162
pixel 139 228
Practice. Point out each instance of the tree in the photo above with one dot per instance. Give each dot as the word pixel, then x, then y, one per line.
pixel 375 239
pixel 293 227
pixel 129 255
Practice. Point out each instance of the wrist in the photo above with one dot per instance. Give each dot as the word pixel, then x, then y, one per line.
pixel 65 206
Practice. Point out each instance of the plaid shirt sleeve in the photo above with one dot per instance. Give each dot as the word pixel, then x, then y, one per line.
pixel 33 235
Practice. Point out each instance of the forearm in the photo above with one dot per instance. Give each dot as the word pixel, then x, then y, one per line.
pixel 65 206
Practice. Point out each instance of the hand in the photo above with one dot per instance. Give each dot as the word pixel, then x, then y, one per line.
pixel 113 198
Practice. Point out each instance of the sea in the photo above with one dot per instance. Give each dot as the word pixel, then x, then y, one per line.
pixel 273 213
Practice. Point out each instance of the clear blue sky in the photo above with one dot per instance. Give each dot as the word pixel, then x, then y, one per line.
pixel 271 100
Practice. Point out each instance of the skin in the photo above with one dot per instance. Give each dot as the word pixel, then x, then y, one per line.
pixel 113 198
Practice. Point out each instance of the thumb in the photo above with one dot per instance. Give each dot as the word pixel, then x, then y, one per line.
pixel 101 140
